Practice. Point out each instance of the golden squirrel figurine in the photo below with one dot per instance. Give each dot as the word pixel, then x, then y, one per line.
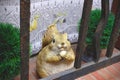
pixel 55 57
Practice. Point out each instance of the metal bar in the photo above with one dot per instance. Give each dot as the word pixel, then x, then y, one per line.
pixel 117 43
pixel 24 38
pixel 114 6
pixel 83 32
pixel 100 28
pixel 115 32
pixel 73 73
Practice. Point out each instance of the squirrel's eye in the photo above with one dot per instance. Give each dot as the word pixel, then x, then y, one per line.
pixel 53 40
pixel 64 20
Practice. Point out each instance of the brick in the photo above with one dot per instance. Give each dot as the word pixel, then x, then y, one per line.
pixel 115 73
pixel 88 77
pixel 117 66
pixel 93 77
pixel 81 78
pixel 115 69
pixel 98 76
pixel 105 74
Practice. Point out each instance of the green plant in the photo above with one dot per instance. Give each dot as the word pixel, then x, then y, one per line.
pixel 9 51
pixel 94 20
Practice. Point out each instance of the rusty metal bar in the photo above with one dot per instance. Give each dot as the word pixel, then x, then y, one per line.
pixel 115 32
pixel 83 32
pixel 24 38
pixel 114 6
pixel 100 28
pixel 117 43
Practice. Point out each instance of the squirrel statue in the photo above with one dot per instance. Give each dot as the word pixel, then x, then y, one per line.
pixel 51 30
pixel 55 57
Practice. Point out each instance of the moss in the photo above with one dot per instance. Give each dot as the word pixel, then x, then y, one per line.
pixel 9 51
pixel 94 20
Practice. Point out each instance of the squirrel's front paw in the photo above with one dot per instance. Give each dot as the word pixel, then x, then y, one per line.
pixel 69 57
pixel 55 58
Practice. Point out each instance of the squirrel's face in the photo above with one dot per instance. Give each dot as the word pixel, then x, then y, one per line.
pixel 60 42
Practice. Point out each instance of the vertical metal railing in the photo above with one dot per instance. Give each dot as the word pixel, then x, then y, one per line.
pixel 100 28
pixel 83 32
pixel 115 32
pixel 24 38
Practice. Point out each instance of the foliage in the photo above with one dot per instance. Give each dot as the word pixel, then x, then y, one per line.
pixel 9 51
pixel 94 20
